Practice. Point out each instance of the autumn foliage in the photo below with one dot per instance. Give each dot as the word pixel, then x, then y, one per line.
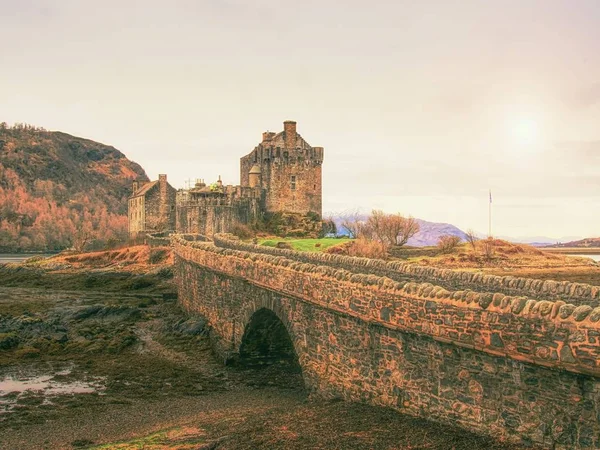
pixel 58 191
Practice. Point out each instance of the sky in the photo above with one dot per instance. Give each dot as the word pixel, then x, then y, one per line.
pixel 422 107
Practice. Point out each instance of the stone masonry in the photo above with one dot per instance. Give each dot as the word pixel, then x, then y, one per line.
pixel 288 169
pixel 282 174
pixel 151 207
pixel 515 367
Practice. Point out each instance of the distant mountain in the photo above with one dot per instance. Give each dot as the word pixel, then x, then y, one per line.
pixel 57 189
pixel 582 243
pixel 430 233
pixel 538 241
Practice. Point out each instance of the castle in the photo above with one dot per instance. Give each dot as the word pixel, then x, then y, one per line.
pixel 281 174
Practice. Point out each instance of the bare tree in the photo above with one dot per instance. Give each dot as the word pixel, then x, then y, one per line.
pixel 81 237
pixel 389 229
pixel 375 227
pixel 351 222
pixel 409 228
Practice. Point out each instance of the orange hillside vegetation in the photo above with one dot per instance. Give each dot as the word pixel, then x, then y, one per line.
pixel 498 253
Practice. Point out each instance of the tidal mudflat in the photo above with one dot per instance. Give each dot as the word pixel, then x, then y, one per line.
pixel 88 369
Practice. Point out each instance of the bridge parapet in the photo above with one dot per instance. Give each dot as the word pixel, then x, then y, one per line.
pixel 574 293
pixel 551 334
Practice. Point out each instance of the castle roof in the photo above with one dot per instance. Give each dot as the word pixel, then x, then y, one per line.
pixel 255 169
pixel 145 188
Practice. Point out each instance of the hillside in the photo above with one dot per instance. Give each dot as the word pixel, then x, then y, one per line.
pixel 582 243
pixel 430 233
pixel 58 191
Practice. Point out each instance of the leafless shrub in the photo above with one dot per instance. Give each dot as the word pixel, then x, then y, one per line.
pixel 328 227
pixel 448 243
pixel 487 249
pixel 242 231
pixel 368 249
pixel 471 237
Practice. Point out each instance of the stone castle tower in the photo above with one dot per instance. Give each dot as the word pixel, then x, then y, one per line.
pixel 281 174
pixel 288 169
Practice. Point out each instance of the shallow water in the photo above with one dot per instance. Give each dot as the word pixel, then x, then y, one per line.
pixel 15 386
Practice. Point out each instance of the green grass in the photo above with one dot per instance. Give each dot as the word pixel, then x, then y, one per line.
pixel 305 245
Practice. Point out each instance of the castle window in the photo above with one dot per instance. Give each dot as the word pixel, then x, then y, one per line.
pixel 293 182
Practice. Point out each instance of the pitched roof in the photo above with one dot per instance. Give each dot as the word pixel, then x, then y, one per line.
pixel 145 188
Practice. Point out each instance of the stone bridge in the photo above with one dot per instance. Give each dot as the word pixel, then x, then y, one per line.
pixel 514 358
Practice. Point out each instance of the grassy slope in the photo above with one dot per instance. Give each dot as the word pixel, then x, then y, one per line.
pixel 517 260
pixel 508 259
pixel 305 245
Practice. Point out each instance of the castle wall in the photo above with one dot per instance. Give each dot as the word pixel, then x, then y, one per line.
pixel 137 215
pixel 217 214
pixel 517 368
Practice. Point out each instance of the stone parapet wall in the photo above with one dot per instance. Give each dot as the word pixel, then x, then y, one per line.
pixel 576 293
pixel 551 334
pixel 153 240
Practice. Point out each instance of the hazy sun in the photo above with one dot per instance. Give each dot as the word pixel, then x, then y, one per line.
pixel 526 132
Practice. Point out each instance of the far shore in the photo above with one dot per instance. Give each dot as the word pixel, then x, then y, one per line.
pixel 573 250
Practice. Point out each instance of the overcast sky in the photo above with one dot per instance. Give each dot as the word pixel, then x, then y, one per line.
pixel 422 106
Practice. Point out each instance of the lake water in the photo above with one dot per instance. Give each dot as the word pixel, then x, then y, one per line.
pixel 594 257
pixel 18 257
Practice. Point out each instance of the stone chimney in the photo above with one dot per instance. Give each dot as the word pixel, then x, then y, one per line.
pixel 289 128
pixel 162 186
pixel 268 136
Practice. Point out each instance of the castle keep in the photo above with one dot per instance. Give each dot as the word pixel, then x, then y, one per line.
pixel 281 174
pixel 288 169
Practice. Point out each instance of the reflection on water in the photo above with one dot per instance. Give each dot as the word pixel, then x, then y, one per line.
pixel 15 386
pixel 594 257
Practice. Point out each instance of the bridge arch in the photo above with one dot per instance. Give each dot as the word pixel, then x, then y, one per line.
pixel 269 341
